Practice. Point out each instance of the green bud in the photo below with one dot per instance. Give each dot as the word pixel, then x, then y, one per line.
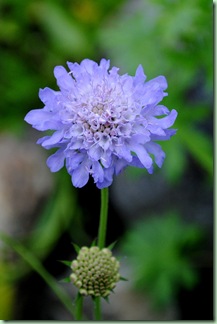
pixel 95 272
pixel 73 277
pixel 83 292
pixel 74 264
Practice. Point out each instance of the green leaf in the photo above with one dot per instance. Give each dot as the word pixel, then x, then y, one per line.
pixel 76 247
pixel 67 279
pixel 94 243
pixel 112 245
pixel 67 263
pixel 107 299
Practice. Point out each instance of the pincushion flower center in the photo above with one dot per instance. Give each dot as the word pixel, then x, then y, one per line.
pixel 98 109
pixel 99 123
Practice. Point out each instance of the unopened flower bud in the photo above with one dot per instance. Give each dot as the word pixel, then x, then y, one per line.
pixel 95 271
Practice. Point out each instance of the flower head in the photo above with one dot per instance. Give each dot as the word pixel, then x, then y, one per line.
pixel 102 121
pixel 95 271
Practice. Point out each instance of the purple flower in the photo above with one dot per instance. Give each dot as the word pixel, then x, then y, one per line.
pixel 102 121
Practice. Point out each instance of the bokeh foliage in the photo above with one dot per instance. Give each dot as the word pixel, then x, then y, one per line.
pixel 160 251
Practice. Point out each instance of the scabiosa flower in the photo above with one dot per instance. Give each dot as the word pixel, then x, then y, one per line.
pixel 102 121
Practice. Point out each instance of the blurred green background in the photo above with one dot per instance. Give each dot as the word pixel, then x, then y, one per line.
pixel 168 37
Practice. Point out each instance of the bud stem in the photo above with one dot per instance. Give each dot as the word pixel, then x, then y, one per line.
pixel 97 309
pixel 78 307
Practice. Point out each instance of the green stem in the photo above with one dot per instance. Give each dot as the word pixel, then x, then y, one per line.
pixel 97 308
pixel 101 241
pixel 78 307
pixel 103 218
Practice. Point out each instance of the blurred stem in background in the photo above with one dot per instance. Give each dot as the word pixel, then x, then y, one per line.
pixel 38 267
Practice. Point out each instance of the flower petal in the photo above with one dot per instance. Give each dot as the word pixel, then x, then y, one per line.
pixel 80 176
pixel 42 120
pixel 64 79
pixel 154 129
pixel 37 118
pixel 95 152
pixel 167 121
pixel 142 154
pixel 140 77
pixel 123 152
pixel 73 160
pixel 98 173
pixel 48 97
pixel 120 164
pixel 108 178
pixel 168 134
pixel 56 161
pixel 157 151
pixel 54 139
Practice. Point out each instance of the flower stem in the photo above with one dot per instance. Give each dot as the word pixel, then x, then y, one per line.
pixel 78 307
pixel 97 308
pixel 101 241
pixel 103 218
